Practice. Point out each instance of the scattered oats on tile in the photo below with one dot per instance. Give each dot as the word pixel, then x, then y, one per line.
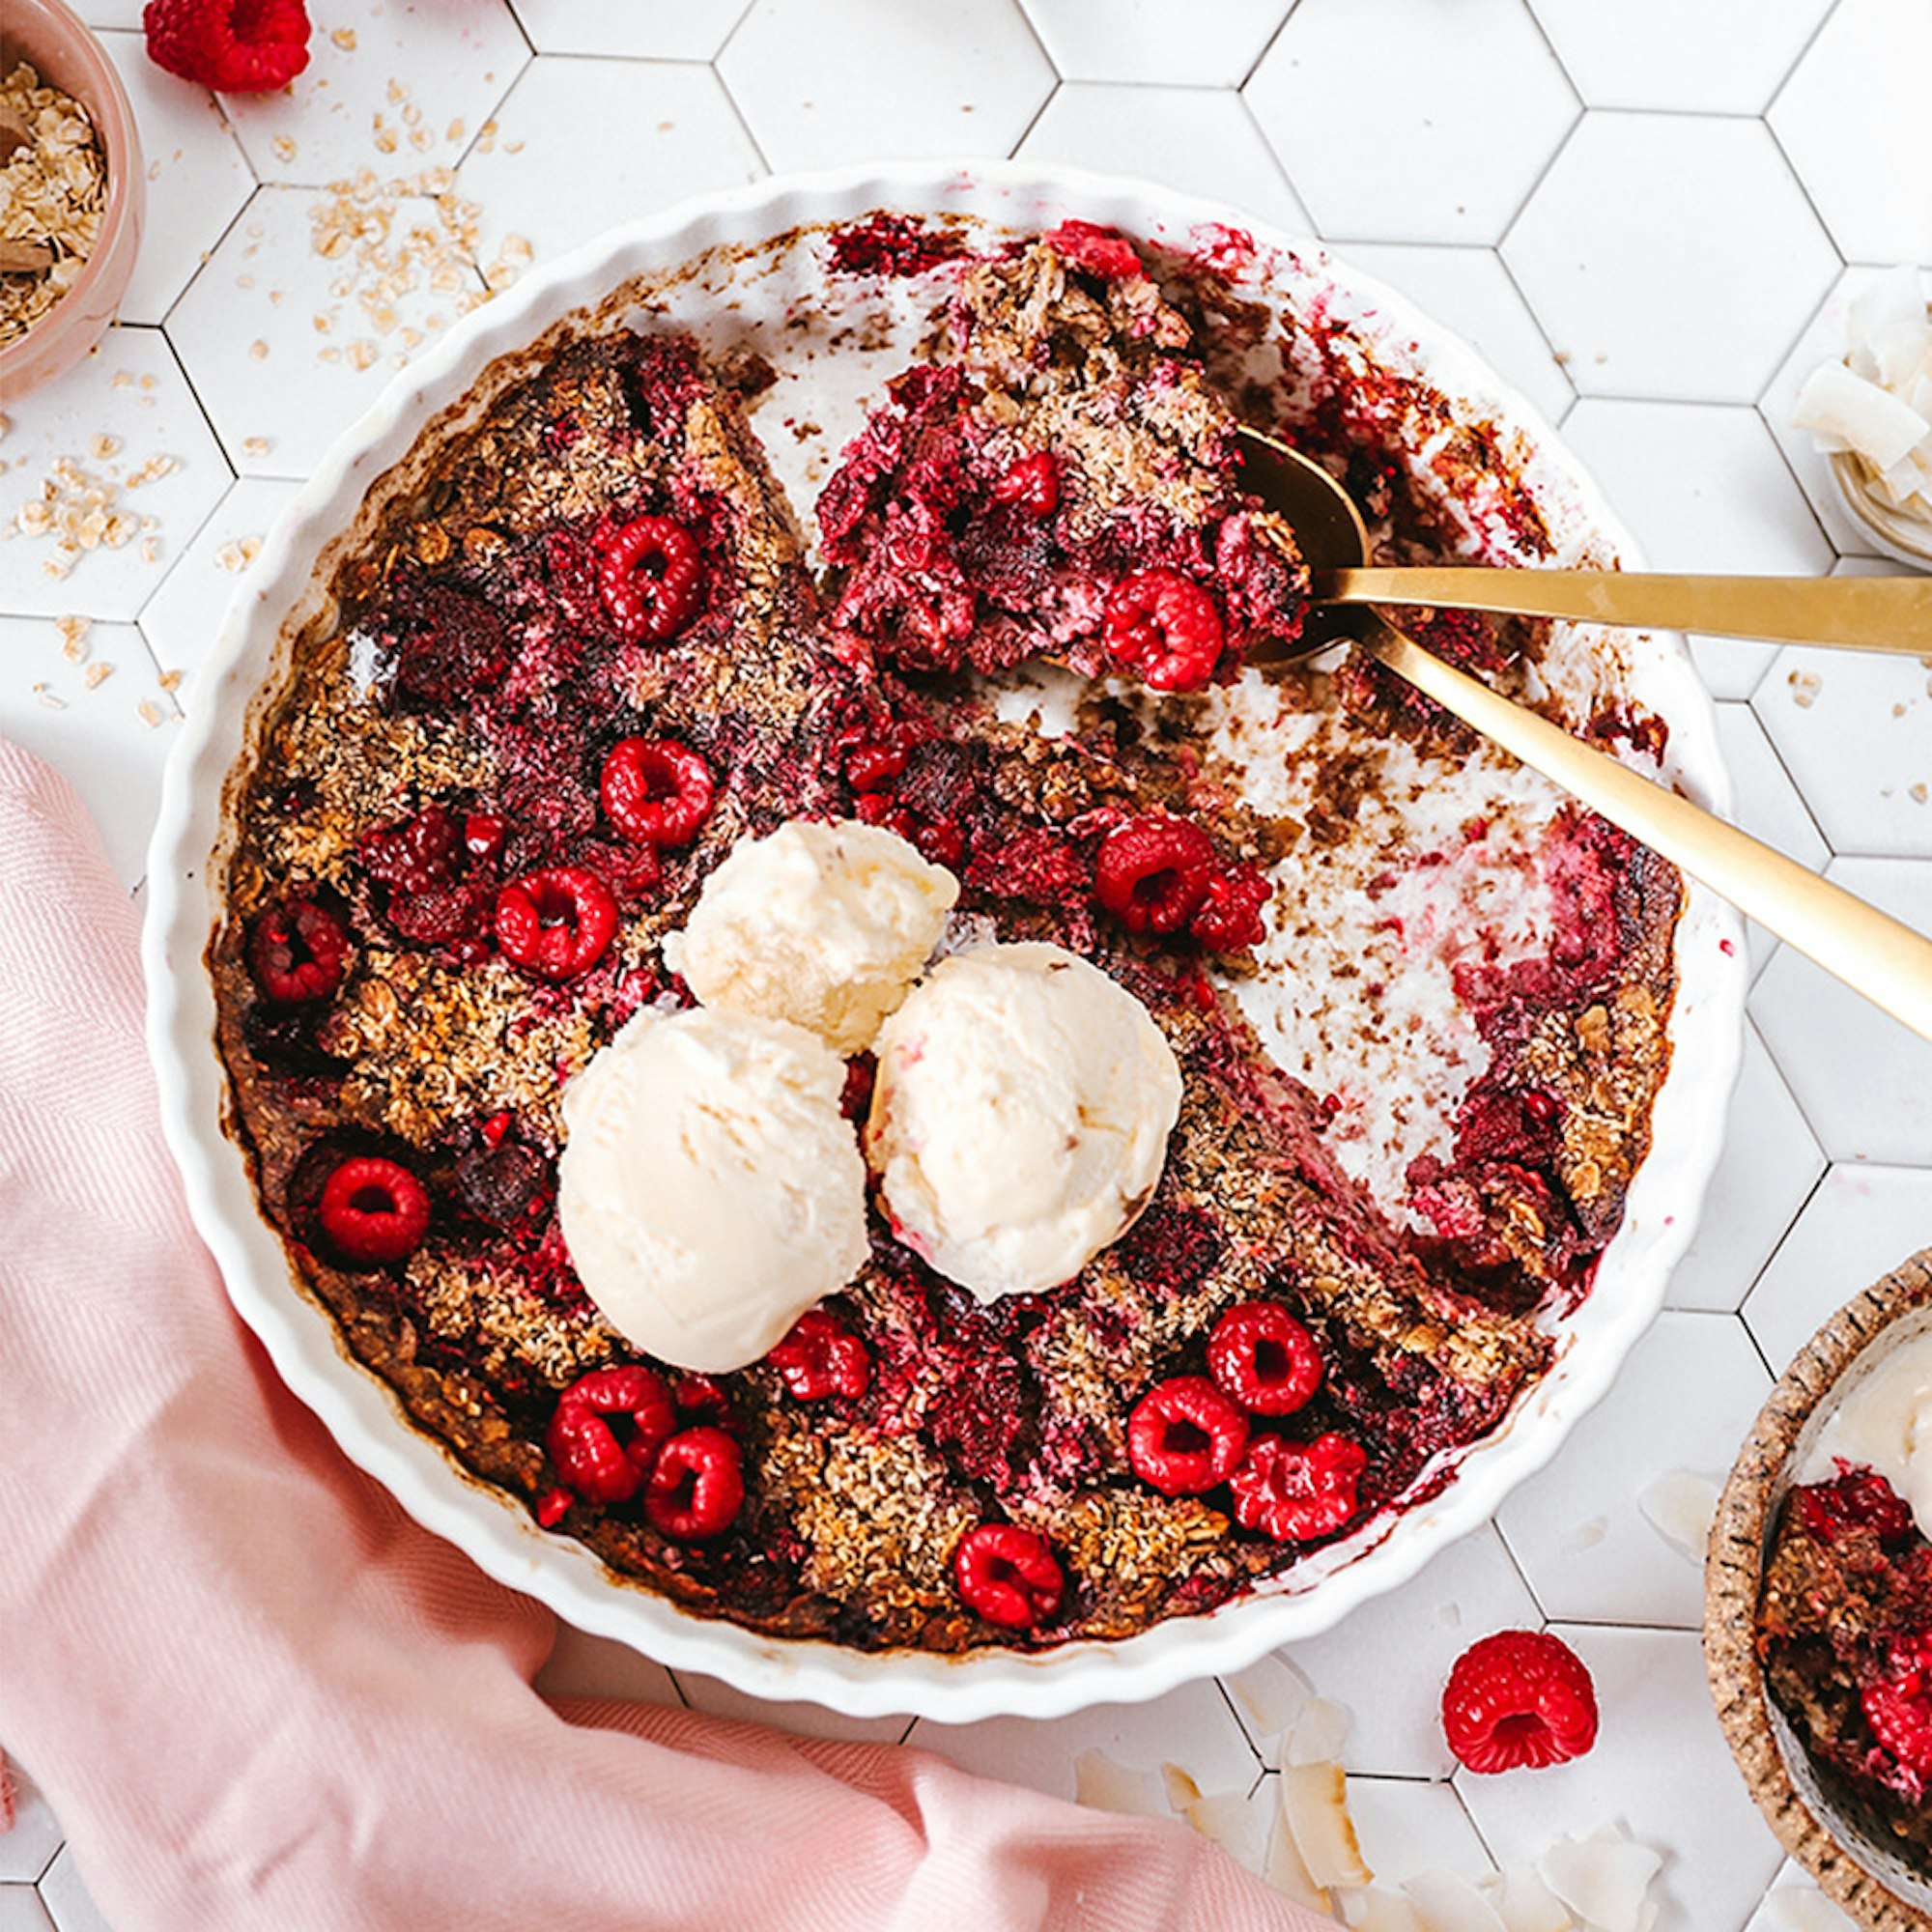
pixel 363 353
pixel 328 355
pixel 73 637
pixel 150 713
pixel 256 445
pixel 1805 686
pixel 345 38
pixel 169 680
pixel 285 147
pixel 239 554
pixel 486 137
pixel 1917 793
pixel 150 550
pixel 123 379
pixel 104 446
pixel 49 698
pixel 258 348
pixel 152 471
pixel 96 674
pixel 513 147
pixel 455 132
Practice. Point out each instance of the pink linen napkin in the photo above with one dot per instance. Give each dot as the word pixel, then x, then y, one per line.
pixel 259 1697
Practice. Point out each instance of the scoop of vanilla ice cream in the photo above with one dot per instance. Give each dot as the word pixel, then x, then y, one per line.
pixel 1020 1115
pixel 710 1188
pixel 825 925
pixel 1886 1424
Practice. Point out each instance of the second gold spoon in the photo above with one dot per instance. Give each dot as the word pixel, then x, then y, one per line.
pixel 1869 951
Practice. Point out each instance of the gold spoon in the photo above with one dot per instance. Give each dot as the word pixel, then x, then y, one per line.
pixel 1858 614
pixel 1872 952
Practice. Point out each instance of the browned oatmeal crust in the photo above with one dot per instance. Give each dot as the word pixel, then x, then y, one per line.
pixel 437 1049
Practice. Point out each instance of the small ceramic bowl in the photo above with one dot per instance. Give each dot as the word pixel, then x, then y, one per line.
pixel 1902 534
pixel 58 46
pixel 1865 1877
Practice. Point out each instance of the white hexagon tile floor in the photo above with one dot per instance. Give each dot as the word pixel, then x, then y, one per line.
pixel 1661 207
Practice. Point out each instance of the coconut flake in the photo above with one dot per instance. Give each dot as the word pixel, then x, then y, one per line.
pixel 1287 1870
pixel 1273 1694
pixel 1603 1878
pixel 1680 1506
pixel 1315 1806
pixel 1378 1910
pixel 1803 1907
pixel 1877 424
pixel 1318 1733
pixel 1103 1785
pixel 1229 1819
pixel 1526 1904
pixel 1447 1903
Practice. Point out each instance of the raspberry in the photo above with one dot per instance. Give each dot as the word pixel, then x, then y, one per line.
pixel 1229 920
pixel 1265 1358
pixel 423 853
pixel 697 1487
pixel 1518 1699
pixel 449 646
pixel 552 1507
pixel 1853 1499
pixel 868 767
pixel 241 47
pixel 1101 251
pixel 821 1357
pixel 296 951
pixel 483 835
pixel 1296 1491
pixel 502 1185
pixel 648 575
pixel 1007 1574
pixel 557 924
pixel 702 1399
pixel 1899 1707
pixel 656 792
pixel 606 1431
pixel 1032 485
pixel 1184 1436
pixel 1164 626
pixel 373 1211
pixel 1152 874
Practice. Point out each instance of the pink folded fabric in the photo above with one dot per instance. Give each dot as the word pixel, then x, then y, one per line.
pixel 258 1697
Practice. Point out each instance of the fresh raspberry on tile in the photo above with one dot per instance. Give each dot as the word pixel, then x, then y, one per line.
pixel 1184 1436
pixel 1853 1499
pixel 1518 1699
pixel 1164 626
pixel 1297 1491
pixel 241 46
pixel 1265 1358
pixel 1032 486
pixel 1007 1574
pixel 297 951
pixel 649 575
pixel 821 1357
pixel 656 792
pixel 373 1213
pixel 606 1430
pixel 1152 874
pixel 697 1487
pixel 1229 920
pixel 1898 1707
pixel 1101 251
pixel 557 924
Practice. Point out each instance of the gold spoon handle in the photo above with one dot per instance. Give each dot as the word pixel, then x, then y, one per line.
pixel 1870 951
pixel 1870 613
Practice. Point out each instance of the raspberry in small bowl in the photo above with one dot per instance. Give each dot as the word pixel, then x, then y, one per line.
pixel 1818 1603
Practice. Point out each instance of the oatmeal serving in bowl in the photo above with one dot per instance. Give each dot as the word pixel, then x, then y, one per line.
pixel 596 687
